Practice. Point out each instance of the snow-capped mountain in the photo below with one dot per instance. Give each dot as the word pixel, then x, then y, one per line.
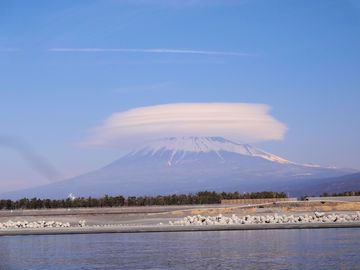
pixel 180 147
pixel 188 164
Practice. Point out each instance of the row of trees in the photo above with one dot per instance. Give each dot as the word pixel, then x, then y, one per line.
pixel 347 193
pixel 36 203
pixel 204 197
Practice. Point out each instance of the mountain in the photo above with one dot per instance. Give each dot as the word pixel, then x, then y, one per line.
pixel 349 182
pixel 187 164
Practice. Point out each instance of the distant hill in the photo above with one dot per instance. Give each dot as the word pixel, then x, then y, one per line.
pixel 190 164
pixel 349 182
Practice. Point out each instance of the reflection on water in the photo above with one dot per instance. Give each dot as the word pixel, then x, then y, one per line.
pixel 270 249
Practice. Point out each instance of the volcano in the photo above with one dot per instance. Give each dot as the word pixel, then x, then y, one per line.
pixel 188 164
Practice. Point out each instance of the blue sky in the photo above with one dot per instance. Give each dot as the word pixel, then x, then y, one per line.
pixel 299 57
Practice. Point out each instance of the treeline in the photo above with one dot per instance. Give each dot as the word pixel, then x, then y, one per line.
pixel 204 197
pixel 347 193
pixel 36 203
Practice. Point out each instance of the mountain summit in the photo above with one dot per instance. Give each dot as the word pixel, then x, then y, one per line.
pixel 188 164
pixel 180 147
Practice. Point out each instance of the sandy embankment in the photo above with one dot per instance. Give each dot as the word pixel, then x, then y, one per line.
pixel 148 219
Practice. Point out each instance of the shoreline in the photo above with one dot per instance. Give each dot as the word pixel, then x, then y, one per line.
pixel 172 228
pixel 175 218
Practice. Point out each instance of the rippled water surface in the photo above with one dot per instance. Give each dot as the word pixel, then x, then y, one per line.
pixel 269 249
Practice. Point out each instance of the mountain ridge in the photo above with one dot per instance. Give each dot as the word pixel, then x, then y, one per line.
pixel 187 164
pixel 205 145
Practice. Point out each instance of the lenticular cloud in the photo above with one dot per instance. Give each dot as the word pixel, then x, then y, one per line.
pixel 244 122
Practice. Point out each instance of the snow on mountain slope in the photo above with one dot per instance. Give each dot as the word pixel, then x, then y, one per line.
pixel 187 164
pixel 184 145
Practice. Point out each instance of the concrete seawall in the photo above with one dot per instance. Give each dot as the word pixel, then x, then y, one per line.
pixel 167 228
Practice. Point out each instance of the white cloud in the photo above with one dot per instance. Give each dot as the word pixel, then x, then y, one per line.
pixel 245 122
pixel 156 50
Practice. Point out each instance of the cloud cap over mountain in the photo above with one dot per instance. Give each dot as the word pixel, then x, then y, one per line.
pixel 246 122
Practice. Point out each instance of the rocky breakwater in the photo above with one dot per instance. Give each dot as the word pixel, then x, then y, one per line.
pixel 316 217
pixel 39 224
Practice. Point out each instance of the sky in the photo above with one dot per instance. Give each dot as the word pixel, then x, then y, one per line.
pixel 66 67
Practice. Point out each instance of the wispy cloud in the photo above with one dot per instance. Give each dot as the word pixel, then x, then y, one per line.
pixel 244 122
pixel 38 163
pixel 154 51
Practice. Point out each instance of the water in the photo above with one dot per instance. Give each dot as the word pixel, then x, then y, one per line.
pixel 268 249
